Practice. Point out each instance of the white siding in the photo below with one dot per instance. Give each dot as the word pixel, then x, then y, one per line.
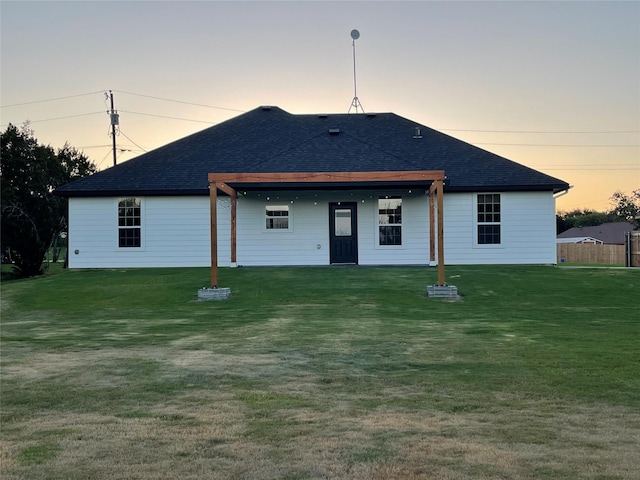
pixel 175 230
pixel 527 228
pixel 307 241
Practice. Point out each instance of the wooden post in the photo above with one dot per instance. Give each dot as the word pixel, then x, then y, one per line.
pixel 439 194
pixel 432 224
pixel 234 201
pixel 233 195
pixel 213 200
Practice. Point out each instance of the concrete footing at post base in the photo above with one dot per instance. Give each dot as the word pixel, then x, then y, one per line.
pixel 446 292
pixel 214 293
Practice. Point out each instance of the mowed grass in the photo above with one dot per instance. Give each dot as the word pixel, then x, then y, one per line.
pixel 309 373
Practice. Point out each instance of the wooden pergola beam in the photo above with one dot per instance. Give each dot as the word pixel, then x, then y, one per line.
pixel 322 177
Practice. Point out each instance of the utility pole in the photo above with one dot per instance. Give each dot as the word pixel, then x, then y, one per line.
pixel 115 120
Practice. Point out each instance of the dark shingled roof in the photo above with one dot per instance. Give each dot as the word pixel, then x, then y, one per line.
pixel 611 233
pixel 268 139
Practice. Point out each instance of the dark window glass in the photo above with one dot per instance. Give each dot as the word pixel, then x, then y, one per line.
pixel 129 237
pixel 488 234
pixel 390 235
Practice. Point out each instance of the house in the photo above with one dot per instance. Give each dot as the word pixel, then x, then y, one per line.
pixel 583 239
pixel 613 233
pixel 273 188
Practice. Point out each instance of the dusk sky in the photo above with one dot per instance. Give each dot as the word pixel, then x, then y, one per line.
pixel 552 85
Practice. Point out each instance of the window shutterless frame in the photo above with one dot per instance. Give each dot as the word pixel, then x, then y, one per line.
pixel 389 220
pixel 488 219
pixel 129 222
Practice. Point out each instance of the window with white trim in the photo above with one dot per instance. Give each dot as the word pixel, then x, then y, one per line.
pixel 277 217
pixel 488 220
pixel 390 220
pixel 129 222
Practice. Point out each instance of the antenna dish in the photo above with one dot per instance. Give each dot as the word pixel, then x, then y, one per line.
pixel 355 34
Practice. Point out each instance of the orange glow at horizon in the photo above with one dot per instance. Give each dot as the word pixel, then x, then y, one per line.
pixel 554 86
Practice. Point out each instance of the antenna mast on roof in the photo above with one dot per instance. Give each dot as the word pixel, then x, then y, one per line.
pixel 355 103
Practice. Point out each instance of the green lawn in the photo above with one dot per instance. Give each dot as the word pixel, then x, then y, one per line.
pixel 308 373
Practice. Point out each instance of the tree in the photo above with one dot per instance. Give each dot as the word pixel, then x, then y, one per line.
pixel 626 207
pixel 582 218
pixel 31 215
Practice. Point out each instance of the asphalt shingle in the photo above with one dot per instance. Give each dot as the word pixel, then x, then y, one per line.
pixel 268 139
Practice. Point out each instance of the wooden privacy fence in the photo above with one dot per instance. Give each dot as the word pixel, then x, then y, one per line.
pixel 633 250
pixel 591 253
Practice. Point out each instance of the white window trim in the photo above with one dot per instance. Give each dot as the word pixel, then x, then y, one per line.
pixel 376 223
pixel 277 231
pixel 490 246
pixel 143 215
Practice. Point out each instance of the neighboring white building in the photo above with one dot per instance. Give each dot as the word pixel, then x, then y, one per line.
pixel 590 240
pixel 155 211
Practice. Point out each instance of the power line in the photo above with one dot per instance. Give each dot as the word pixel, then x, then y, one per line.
pixel 593 132
pixel 554 145
pixel 180 101
pixel 165 116
pixel 125 136
pixel 63 118
pixel 94 146
pixel 50 99
pixel 105 146
pixel 637 165
pixel 592 169
pixel 244 111
pixel 537 131
pixel 105 157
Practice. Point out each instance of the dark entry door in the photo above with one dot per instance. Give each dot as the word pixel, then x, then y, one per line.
pixel 343 234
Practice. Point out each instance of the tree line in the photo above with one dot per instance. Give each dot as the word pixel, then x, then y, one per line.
pixel 32 217
pixel 624 208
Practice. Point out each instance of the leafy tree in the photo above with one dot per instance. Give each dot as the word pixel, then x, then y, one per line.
pixel 582 218
pixel 626 207
pixel 31 215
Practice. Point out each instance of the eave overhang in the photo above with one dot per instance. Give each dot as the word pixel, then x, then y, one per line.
pixel 555 188
pixel 131 192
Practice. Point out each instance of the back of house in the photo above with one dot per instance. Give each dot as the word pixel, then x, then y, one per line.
pixel 326 189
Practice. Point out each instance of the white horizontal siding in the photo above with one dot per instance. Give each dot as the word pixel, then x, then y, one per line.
pixel 176 230
pixel 307 241
pixel 527 230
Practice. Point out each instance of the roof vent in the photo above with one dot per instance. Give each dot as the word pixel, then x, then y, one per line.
pixel 334 131
pixel 266 108
pixel 417 133
pixel 323 115
pixel 371 115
